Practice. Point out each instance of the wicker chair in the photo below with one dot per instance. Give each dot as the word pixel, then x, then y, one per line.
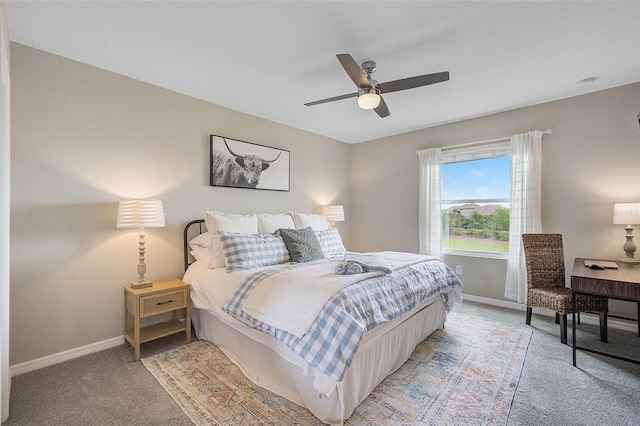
pixel 544 257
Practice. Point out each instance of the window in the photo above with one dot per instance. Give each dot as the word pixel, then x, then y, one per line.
pixel 475 193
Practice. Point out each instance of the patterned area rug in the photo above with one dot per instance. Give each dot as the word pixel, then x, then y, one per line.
pixel 464 374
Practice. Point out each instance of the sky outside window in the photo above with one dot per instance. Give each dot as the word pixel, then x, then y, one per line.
pixel 478 179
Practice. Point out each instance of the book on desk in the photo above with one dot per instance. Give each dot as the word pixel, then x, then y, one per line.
pixel 600 264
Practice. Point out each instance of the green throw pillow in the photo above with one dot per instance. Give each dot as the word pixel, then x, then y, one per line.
pixel 303 245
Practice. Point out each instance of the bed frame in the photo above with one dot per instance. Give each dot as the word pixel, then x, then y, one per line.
pixel 189 233
pixel 374 361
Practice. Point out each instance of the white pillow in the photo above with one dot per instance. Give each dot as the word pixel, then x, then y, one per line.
pixel 203 255
pixel 201 248
pixel 270 223
pixel 317 222
pixel 216 221
pixel 239 223
pixel 202 241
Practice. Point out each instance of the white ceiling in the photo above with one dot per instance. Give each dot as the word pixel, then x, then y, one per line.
pixel 269 58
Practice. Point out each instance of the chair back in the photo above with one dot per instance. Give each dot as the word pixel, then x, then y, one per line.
pixel 544 258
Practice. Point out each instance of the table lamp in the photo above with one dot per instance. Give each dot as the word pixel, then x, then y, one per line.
pixel 140 214
pixel 333 214
pixel 627 214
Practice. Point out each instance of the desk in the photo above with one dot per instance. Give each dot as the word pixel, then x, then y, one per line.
pixel 622 283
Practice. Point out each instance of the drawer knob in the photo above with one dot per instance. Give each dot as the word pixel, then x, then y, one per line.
pixel 164 303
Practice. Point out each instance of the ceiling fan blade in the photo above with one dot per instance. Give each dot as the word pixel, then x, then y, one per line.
pixel 412 82
pixel 353 69
pixel 335 98
pixel 382 110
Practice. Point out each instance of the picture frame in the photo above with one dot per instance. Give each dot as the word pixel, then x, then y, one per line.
pixel 240 164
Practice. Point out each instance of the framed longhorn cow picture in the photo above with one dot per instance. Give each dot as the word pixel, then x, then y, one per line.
pixel 240 164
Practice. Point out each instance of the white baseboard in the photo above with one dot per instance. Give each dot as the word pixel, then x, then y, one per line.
pixel 584 317
pixel 494 302
pixel 36 364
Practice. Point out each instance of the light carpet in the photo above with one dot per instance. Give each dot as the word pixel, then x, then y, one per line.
pixel 464 374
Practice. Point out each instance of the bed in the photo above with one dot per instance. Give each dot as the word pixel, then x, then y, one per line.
pixel 327 360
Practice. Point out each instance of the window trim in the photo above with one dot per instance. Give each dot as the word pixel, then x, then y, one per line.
pixel 477 200
pixel 477 152
pixel 475 253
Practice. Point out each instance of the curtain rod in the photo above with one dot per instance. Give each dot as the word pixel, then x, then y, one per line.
pixel 546 132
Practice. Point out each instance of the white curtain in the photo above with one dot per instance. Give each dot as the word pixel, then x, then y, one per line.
pixel 430 221
pixel 526 159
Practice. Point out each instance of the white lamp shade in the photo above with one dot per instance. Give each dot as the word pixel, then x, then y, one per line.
pixel 333 213
pixel 368 100
pixel 140 214
pixel 626 213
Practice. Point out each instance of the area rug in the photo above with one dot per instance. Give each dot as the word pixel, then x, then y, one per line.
pixel 464 374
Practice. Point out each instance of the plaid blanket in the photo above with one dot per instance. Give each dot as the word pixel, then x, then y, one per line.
pixel 334 338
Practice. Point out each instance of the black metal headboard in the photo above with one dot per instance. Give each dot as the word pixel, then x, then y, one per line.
pixel 189 234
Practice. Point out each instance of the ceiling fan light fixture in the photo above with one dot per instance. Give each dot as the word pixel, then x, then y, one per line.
pixel 369 89
pixel 368 98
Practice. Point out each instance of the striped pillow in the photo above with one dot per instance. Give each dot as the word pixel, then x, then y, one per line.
pixel 247 251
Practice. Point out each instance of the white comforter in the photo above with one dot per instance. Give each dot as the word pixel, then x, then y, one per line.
pixel 292 300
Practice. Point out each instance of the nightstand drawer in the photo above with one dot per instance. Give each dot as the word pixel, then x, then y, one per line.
pixel 166 302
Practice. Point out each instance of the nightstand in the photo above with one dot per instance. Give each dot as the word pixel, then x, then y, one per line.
pixel 163 296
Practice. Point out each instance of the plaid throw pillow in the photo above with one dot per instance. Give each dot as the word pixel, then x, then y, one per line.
pixel 302 243
pixel 331 242
pixel 247 251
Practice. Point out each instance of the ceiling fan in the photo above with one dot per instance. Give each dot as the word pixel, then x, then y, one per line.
pixel 369 90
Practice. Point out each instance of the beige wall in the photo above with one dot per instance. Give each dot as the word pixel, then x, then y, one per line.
pixel 84 138
pixel 591 161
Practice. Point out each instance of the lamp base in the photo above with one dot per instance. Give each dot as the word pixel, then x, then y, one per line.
pixel 141 284
pixel 630 261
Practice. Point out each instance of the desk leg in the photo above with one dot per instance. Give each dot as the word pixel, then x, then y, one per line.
pixel 573 324
pixel 604 334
